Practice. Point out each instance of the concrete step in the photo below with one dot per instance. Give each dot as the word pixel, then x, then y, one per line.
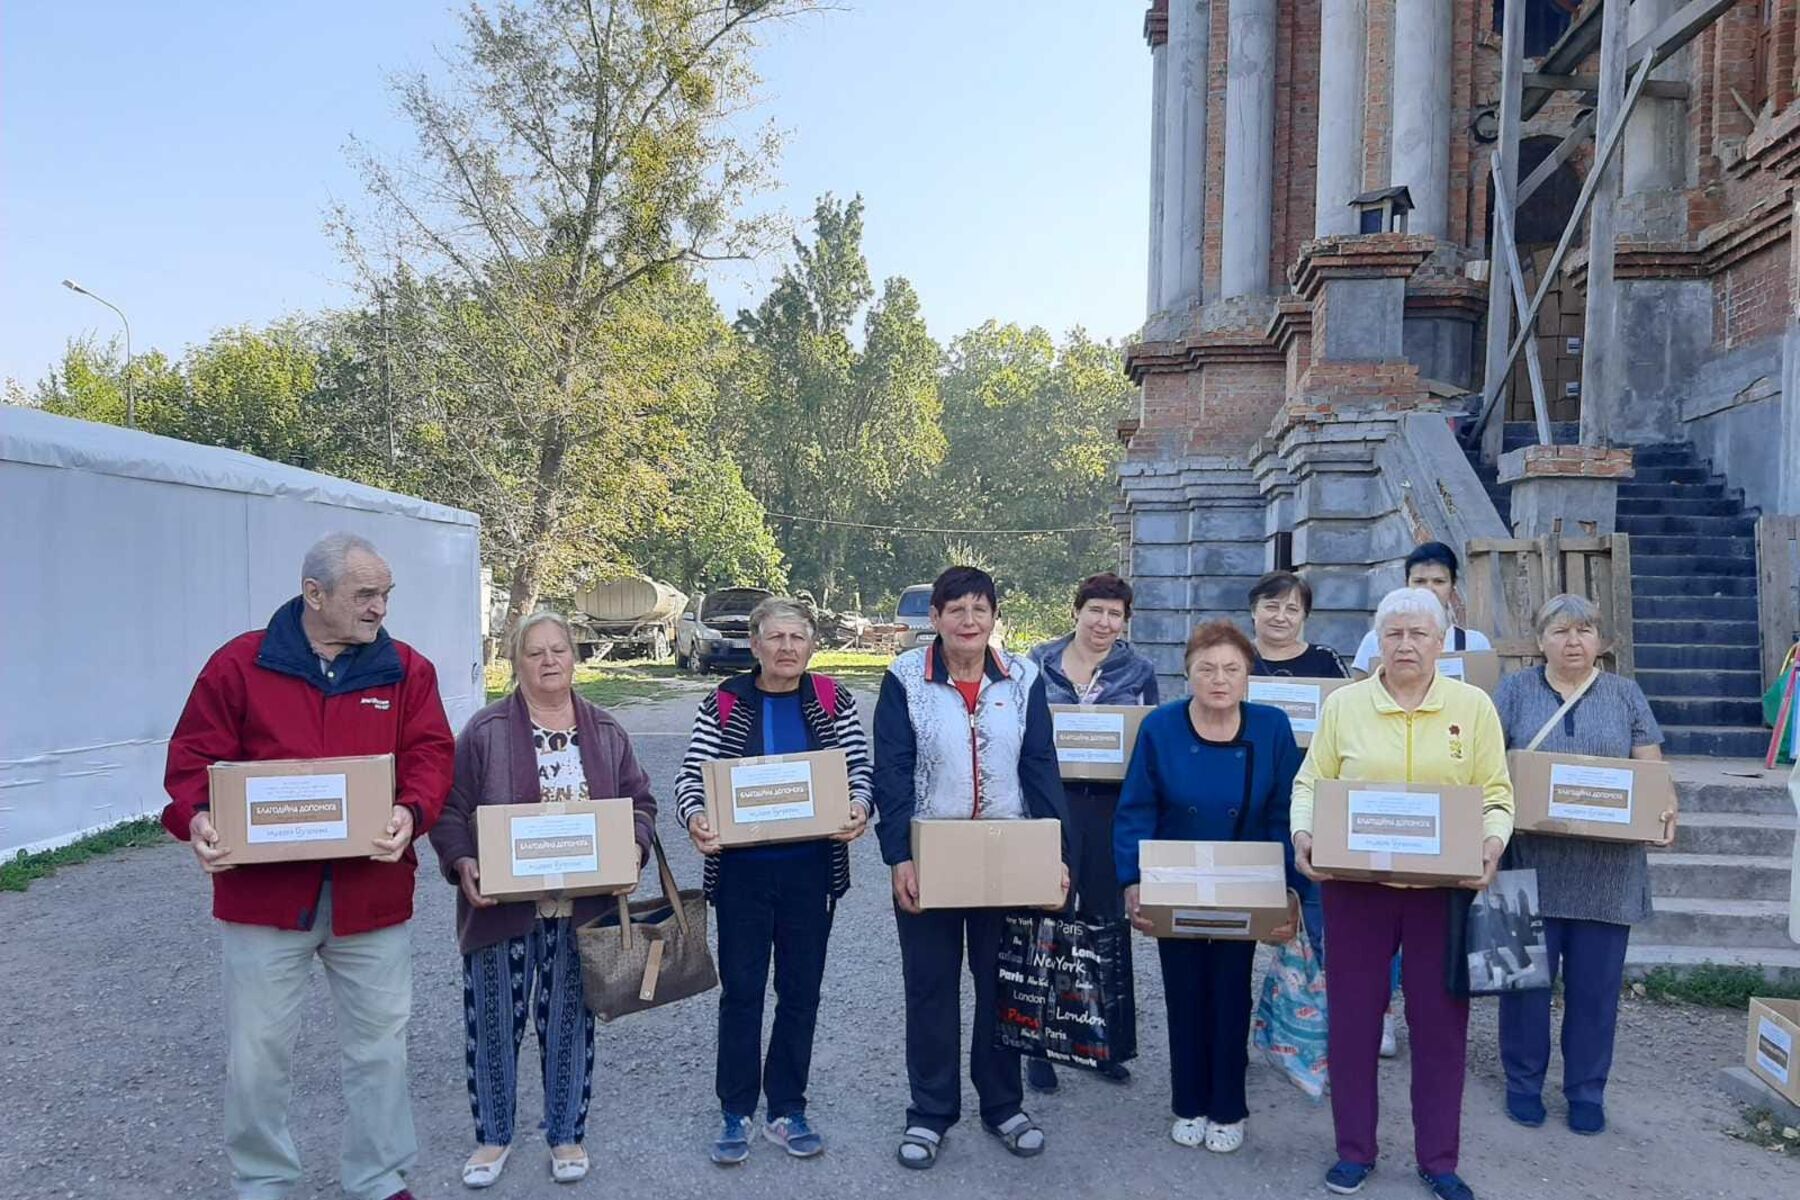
pixel 1654 545
pixel 1645 563
pixel 1717 608
pixel 1703 787
pixel 1668 506
pixel 1776 964
pixel 1722 876
pixel 1679 475
pixel 1667 525
pixel 1753 835
pixel 1678 454
pixel 1679 683
pixel 1676 656
pixel 1684 633
pixel 1707 710
pixel 1715 741
pixel 1743 584
pixel 1709 490
pixel 1700 921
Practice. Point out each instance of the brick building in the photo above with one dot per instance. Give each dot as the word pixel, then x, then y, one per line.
pixel 1303 382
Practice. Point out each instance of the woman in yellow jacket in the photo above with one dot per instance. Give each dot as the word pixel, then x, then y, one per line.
pixel 1405 723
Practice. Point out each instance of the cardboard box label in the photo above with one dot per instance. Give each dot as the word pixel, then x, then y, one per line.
pixel 1395 823
pixel 1301 702
pixel 780 791
pixel 296 808
pixel 1774 1049
pixel 1579 793
pixel 1209 922
pixel 1451 668
pixel 554 845
pixel 1089 737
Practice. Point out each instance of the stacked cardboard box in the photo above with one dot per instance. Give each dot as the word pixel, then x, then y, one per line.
pixel 1094 741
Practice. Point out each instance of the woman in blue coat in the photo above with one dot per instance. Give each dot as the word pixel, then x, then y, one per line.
pixel 1211 768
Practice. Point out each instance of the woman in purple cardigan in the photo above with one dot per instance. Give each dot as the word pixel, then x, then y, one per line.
pixel 541 743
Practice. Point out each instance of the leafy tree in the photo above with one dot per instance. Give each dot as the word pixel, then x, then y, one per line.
pixel 584 157
pixel 828 430
pixel 711 534
pixel 90 384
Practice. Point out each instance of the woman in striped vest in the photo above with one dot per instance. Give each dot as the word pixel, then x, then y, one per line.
pixel 773 900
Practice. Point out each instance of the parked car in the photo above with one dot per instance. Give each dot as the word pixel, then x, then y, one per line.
pixel 713 633
pixel 913 611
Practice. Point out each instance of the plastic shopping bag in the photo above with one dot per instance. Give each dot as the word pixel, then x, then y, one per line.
pixel 1289 1025
pixel 1064 990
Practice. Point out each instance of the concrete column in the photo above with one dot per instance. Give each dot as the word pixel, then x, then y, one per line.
pixel 1421 129
pixel 1600 350
pixel 1159 81
pixel 1249 148
pixel 1343 50
pixel 1184 151
pixel 1656 129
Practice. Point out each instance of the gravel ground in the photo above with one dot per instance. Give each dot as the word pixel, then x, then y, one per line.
pixel 110 1070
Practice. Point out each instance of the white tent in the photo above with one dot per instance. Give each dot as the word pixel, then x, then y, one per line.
pixel 126 559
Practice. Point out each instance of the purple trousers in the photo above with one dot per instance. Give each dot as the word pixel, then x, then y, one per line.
pixel 1368 923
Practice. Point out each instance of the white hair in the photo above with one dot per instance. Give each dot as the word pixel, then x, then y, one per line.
pixel 324 562
pixel 1412 602
pixel 543 616
pixel 781 608
pixel 1576 610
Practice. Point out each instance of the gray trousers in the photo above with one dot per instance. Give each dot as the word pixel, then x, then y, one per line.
pixel 370 975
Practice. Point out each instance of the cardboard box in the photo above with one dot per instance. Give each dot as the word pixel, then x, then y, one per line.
pixel 1094 741
pixel 301 809
pixel 1581 795
pixel 1303 700
pixel 988 864
pixel 1397 832
pixel 1235 890
pixel 1480 668
pixel 1774 1035
pixel 777 798
pixel 569 848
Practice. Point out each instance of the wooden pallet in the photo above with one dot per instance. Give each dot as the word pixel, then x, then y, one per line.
pixel 1506 581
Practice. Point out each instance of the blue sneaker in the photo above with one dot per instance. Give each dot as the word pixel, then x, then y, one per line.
pixel 1586 1117
pixel 1347 1178
pixel 1526 1110
pixel 794 1135
pixel 732 1146
pixel 1448 1186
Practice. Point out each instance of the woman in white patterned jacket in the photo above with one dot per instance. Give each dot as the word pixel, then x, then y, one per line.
pixel 773 900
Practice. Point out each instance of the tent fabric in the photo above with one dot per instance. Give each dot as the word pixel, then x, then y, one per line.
pixel 126 559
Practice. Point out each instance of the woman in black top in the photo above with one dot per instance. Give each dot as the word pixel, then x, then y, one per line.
pixel 1279 605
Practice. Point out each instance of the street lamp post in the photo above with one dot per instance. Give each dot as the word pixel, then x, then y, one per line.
pixel 130 398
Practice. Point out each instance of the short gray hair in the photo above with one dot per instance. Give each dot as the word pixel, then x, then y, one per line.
pixel 1576 610
pixel 1412 602
pixel 543 616
pixel 324 563
pixel 781 608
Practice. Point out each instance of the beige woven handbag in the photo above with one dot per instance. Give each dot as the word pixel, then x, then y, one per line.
pixel 653 952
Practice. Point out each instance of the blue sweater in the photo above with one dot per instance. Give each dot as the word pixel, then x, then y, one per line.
pixel 1185 789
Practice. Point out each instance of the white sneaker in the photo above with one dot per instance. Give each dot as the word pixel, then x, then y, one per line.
pixel 1189 1132
pixel 1390 1044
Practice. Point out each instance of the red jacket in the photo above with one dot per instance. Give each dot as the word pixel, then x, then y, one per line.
pixel 262 696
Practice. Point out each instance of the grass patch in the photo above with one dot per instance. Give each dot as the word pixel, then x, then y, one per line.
pixel 18 874
pixel 1762 1130
pixel 858 668
pixel 608 684
pixel 1711 986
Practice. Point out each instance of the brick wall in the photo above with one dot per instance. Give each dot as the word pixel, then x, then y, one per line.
pixel 1378 79
pixel 1236 401
pixel 1296 134
pixel 1753 297
pixel 1211 239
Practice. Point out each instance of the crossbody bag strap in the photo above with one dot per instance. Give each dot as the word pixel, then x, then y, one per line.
pixel 1563 711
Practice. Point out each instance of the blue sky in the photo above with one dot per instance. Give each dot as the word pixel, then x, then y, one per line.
pixel 177 157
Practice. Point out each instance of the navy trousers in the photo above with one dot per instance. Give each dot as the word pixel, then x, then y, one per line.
pixel 1590 957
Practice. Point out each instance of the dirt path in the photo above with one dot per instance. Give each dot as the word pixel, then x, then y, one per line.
pixel 110 1068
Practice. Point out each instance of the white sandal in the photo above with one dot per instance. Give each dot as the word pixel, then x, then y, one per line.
pixel 568 1170
pixel 485 1174
pixel 1189 1132
pixel 1223 1139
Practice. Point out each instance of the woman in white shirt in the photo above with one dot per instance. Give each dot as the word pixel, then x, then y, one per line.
pixel 1431 566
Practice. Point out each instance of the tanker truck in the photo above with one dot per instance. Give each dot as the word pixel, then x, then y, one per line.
pixel 632 616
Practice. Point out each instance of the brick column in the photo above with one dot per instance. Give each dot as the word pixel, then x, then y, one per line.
pixel 1568 490
pixel 1249 148
pixel 1421 129
pixel 1184 151
pixel 1343 51
pixel 1156 32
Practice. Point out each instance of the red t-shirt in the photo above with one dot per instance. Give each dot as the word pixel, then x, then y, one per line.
pixel 971 691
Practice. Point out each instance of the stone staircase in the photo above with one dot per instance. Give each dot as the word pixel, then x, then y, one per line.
pixel 1693 583
pixel 1721 891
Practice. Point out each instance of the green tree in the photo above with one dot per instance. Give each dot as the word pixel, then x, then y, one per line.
pixel 711 534
pixel 827 430
pixel 89 383
pixel 583 158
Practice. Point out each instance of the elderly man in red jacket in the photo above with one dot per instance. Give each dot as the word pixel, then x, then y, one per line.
pixel 323 680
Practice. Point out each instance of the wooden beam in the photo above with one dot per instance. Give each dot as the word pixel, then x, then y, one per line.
pixel 1656 89
pixel 1572 141
pixel 1504 239
pixel 1500 266
pixel 1583 36
pixel 1599 360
